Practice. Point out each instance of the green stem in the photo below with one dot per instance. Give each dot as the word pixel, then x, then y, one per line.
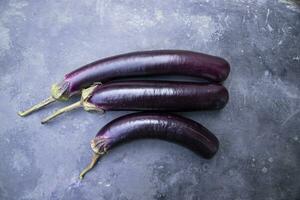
pixel 61 111
pixel 37 106
pixel 95 158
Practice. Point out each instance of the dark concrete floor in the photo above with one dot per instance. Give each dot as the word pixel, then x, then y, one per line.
pixel 259 129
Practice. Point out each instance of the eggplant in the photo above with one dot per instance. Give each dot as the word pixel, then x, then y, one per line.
pixel 150 96
pixel 144 63
pixel 163 126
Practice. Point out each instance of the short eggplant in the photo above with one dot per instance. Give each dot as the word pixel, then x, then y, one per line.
pixel 145 63
pixel 150 96
pixel 164 126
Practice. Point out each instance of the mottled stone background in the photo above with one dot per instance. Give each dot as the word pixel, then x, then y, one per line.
pixel 259 156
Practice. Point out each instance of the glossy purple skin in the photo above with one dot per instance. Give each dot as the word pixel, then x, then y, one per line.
pixel 159 95
pixel 158 62
pixel 164 126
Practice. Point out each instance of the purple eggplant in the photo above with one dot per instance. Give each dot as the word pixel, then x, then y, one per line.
pixel 157 62
pixel 164 126
pixel 150 95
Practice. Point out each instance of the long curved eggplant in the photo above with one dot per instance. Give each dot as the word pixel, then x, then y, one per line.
pixel 150 95
pixel 145 63
pixel 168 127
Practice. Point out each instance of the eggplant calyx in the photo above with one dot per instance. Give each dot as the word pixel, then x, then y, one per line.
pixel 58 91
pixel 99 145
pixel 85 95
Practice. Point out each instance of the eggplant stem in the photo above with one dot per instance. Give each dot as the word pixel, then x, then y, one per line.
pixel 61 111
pixel 37 106
pixel 95 159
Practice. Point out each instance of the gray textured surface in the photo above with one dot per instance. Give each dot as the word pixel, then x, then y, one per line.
pixel 259 129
